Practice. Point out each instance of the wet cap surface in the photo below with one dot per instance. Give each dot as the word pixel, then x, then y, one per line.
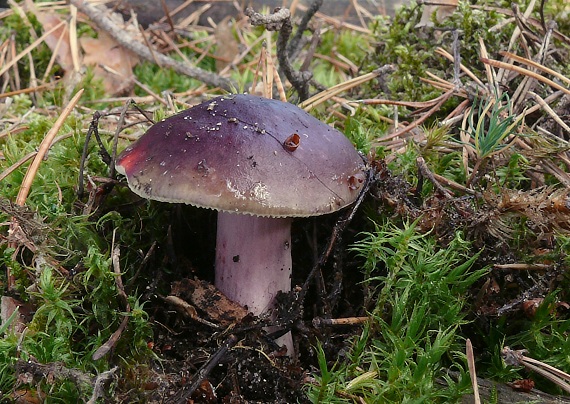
pixel 247 154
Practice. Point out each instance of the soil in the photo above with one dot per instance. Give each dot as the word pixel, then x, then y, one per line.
pixel 255 369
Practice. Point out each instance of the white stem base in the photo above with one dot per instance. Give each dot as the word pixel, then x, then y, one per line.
pixel 253 261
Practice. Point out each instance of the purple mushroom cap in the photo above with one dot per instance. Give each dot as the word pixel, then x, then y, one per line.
pixel 245 154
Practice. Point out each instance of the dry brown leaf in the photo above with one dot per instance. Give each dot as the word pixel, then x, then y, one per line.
pixel 209 300
pixel 113 63
pixel 61 35
pixel 442 9
pixel 9 305
pixel 227 46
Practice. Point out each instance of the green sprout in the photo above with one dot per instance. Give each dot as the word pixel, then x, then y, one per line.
pixel 492 123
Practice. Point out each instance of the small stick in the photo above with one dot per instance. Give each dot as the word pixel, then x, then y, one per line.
pixel 324 322
pixel 100 382
pixel 92 129
pixel 522 267
pixel 534 64
pixel 143 263
pixel 116 138
pixel 293 46
pixel 549 111
pixel 454 185
pixel 33 45
pixel 188 310
pixel 516 358
pixel 339 227
pixel 107 346
pixel 17 164
pixel 525 72
pixel 327 94
pixel 456 58
pixel 472 371
pixel 421 120
pixel 167 14
pixel 468 72
pixel 125 40
pixel 425 171
pixel 44 147
pixel 184 394
pixel 281 21
pixel 29 89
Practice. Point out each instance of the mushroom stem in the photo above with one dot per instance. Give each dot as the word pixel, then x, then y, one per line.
pixel 253 259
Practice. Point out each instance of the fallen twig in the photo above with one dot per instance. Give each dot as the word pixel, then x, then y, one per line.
pixel 294 44
pixel 425 172
pixel 339 228
pixel 44 147
pixel 327 94
pixel 556 376
pixel 125 40
pixel 444 97
pixel 526 72
pixel 324 322
pixel 472 372
pixel 281 21
pixel 185 393
pixel 107 346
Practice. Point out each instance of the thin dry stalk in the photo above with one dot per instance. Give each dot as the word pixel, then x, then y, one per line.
pixel 465 70
pixel 278 82
pixel 534 64
pixel 194 17
pixel 177 10
pixel 73 42
pixel 325 95
pixel 325 322
pixel 268 68
pixel 520 70
pixel 336 23
pixel 407 104
pixel 517 358
pixel 44 146
pixel 258 72
pixel 472 371
pixel 421 120
pixel 238 59
pixel 549 111
pixel 114 338
pixel 31 47
pixel 522 267
pixel 168 40
pixel 492 81
pixel 16 165
pixel 54 54
pixel 127 41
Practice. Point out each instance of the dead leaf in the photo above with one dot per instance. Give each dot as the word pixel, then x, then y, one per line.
pixel 209 300
pixel 442 9
pixel 8 305
pixel 227 46
pixel 61 35
pixel 525 385
pixel 24 396
pixel 112 63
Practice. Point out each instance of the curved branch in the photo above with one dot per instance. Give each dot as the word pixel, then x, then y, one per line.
pixel 280 21
pixel 125 40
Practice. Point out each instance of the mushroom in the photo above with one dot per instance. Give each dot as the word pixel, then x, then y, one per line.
pixel 259 163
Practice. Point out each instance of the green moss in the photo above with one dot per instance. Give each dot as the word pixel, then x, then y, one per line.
pixel 417 296
pixel 41 55
pixel 412 50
